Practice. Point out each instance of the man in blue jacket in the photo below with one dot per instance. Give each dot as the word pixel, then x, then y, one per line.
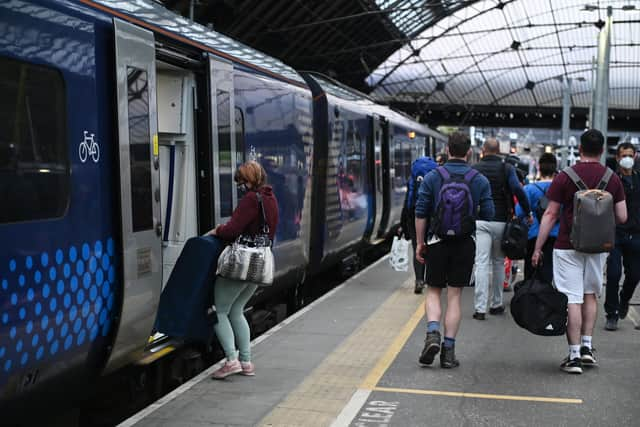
pixel 449 248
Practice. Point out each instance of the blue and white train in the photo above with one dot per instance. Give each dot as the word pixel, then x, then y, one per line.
pixel 122 125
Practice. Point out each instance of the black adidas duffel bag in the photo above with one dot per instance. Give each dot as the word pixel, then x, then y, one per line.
pixel 539 308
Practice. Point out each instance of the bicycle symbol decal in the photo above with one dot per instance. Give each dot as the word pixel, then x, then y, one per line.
pixel 89 147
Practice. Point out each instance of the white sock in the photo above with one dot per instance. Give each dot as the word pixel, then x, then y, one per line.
pixel 586 341
pixel 574 352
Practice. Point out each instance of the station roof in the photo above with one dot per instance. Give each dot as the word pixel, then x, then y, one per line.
pixel 481 60
pixel 513 53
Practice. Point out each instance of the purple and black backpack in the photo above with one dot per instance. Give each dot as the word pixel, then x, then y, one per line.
pixel 454 215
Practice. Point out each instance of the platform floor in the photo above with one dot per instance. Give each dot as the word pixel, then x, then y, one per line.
pixel 351 359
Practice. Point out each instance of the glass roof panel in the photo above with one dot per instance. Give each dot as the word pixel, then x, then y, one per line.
pixel 520 41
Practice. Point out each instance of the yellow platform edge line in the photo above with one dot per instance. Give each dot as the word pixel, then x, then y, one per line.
pixel 385 361
pixel 478 395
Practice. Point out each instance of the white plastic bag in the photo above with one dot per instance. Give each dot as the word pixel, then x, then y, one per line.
pixel 399 258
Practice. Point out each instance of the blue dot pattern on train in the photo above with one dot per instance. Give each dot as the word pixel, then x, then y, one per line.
pixel 55 303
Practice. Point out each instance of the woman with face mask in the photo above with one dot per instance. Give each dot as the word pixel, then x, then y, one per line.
pixel 232 295
pixel 627 250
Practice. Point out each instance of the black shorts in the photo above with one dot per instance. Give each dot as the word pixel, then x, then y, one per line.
pixel 450 262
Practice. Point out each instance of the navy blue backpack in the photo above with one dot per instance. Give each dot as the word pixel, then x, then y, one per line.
pixel 420 167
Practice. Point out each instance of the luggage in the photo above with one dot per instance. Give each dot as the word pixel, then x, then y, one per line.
pixel 539 308
pixel 514 239
pixel 186 301
pixel 419 169
pixel 454 214
pixel 594 223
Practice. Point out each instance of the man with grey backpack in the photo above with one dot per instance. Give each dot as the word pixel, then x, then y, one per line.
pixel 589 200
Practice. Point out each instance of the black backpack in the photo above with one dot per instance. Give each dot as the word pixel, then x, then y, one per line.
pixel 515 239
pixel 539 308
pixel 543 202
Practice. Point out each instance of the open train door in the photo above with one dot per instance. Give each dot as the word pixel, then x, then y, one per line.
pixel 223 138
pixel 376 175
pixel 139 188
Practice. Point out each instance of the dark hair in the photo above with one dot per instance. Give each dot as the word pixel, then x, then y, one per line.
pixel 459 144
pixel 548 164
pixel 625 146
pixel 442 158
pixel 592 142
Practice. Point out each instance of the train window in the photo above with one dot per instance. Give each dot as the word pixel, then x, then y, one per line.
pixel 139 149
pixel 239 118
pixel 224 153
pixel 34 159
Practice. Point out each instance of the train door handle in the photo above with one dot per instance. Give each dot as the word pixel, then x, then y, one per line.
pixel 159 229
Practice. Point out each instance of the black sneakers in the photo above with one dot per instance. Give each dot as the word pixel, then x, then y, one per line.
pixel 418 287
pixel 586 356
pixel 623 310
pixel 572 366
pixel 497 310
pixel 431 348
pixel 448 358
pixel 479 316
pixel 612 324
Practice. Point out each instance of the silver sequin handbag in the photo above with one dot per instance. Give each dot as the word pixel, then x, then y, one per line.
pixel 249 258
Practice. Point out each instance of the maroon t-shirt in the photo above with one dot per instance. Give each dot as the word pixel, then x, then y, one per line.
pixel 562 190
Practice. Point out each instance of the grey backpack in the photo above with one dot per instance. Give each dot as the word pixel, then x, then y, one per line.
pixel 594 224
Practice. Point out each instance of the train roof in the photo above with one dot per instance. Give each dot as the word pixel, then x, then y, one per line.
pixel 156 17
pixel 339 90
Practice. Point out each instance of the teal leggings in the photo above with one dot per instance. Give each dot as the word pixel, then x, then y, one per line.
pixel 232 327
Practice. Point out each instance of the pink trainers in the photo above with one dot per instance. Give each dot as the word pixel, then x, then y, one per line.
pixel 229 368
pixel 248 369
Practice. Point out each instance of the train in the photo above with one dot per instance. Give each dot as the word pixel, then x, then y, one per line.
pixel 123 126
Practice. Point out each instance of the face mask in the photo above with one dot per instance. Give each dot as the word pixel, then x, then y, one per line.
pixel 626 162
pixel 242 188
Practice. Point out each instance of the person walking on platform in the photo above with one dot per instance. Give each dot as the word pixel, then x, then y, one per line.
pixel 420 167
pixel 577 274
pixel 627 249
pixel 537 194
pixel 232 295
pixel 489 256
pixel 449 199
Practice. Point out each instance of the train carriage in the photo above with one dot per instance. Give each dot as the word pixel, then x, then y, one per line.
pixel 124 124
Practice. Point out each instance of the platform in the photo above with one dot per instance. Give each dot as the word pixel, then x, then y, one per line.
pixel 350 358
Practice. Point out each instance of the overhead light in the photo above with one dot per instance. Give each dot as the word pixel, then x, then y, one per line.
pixel 411 134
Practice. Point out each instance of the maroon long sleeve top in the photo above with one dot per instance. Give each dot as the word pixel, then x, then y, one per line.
pixel 246 218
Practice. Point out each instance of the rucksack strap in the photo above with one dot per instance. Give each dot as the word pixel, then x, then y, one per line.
pixel 605 179
pixel 575 178
pixel 444 173
pixel 471 173
pixel 544 192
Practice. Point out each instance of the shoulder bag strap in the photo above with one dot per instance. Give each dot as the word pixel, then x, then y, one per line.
pixel 605 179
pixel 575 178
pixel 264 227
